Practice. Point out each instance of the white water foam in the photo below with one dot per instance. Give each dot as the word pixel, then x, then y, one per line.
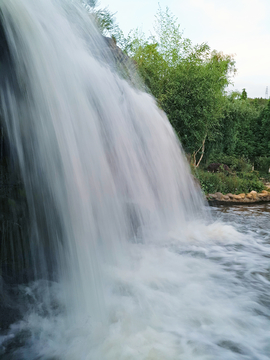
pixel 203 298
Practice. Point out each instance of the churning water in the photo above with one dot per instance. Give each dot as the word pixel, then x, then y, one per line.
pixel 127 264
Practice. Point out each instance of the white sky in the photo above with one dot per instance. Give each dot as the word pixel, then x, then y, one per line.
pixel 239 27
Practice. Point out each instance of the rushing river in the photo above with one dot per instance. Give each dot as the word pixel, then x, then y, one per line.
pixel 127 263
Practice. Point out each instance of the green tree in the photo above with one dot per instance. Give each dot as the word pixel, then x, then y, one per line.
pixel 238 135
pixel 194 102
pixel 188 81
pixel 262 129
pixel 168 36
pixel 244 95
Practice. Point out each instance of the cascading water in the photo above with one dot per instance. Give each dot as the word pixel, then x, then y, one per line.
pixel 118 240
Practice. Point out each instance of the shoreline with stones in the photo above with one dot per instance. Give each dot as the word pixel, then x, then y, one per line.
pixel 241 199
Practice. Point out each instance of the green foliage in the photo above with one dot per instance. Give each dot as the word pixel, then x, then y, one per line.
pixel 171 44
pixel 244 95
pixel 188 81
pixel 238 135
pixel 236 164
pixel 228 183
pixel 262 164
pixel 104 19
pixel 151 65
pixel 266 178
pixel 258 103
pixel 194 97
pixel 252 175
pixel 262 128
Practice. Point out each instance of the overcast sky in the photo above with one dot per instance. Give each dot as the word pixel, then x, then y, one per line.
pixel 239 27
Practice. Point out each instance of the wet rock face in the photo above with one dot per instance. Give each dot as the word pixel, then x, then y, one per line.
pixel 5 60
pixel 9 308
pixel 118 54
pixel 15 268
pixel 4 51
pixel 14 219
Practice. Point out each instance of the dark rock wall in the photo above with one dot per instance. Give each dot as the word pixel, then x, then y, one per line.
pixel 15 265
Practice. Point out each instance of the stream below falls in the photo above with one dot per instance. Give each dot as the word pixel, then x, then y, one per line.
pixel 202 297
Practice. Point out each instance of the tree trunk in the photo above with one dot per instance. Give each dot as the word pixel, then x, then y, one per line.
pixel 196 164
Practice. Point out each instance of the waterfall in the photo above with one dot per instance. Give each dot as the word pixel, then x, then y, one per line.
pixel 100 162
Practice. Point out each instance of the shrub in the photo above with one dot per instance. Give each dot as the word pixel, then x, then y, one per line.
pixel 228 183
pixel 253 175
pixel 234 163
pixel 262 164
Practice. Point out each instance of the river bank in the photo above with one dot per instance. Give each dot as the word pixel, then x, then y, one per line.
pixel 253 197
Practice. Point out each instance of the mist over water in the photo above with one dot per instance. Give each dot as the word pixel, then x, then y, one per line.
pixel 128 264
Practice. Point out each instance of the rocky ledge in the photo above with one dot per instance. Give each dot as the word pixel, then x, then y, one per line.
pixel 252 197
